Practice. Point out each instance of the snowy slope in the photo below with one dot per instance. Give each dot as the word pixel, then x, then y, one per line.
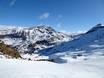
pixel 94 37
pixel 92 68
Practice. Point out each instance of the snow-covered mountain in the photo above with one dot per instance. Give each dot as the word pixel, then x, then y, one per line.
pixel 82 57
pixel 32 39
pixel 88 43
pixel 44 40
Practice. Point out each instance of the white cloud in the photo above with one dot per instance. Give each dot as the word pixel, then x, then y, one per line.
pixel 12 2
pixel 44 15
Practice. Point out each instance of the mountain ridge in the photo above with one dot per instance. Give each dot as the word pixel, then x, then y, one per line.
pixel 96 33
pixel 22 38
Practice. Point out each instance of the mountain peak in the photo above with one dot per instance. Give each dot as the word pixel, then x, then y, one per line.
pixel 96 27
pixel 42 27
pixel 99 25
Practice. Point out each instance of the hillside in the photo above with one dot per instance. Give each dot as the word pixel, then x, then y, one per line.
pixel 89 43
pixel 32 39
pixel 8 52
pixel 93 35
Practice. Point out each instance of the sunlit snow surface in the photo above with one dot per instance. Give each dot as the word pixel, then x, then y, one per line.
pixel 90 68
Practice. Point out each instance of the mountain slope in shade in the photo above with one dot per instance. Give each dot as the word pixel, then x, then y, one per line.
pixel 85 43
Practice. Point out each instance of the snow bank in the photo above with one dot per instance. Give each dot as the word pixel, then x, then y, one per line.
pixel 91 68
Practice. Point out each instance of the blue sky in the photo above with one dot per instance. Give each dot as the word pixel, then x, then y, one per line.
pixel 63 15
